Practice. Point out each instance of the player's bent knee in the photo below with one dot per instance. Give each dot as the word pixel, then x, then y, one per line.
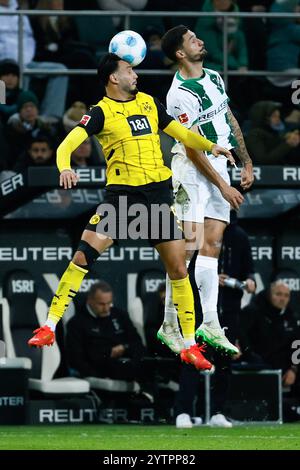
pixel 177 272
pixel 85 255
pixel 79 259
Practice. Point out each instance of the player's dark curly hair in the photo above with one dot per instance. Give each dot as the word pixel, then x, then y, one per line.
pixel 107 66
pixel 172 40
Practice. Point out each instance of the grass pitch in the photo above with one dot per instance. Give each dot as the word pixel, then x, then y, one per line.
pixel 138 437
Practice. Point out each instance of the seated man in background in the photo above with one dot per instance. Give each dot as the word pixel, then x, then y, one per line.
pixel 40 152
pixel 102 341
pixel 268 330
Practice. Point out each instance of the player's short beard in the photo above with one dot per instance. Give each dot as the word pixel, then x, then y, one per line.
pixel 203 55
pixel 200 57
pixel 134 91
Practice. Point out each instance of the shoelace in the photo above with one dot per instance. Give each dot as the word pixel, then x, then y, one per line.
pixel 223 331
pixel 201 348
pixel 177 332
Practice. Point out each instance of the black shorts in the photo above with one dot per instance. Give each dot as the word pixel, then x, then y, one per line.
pixel 137 213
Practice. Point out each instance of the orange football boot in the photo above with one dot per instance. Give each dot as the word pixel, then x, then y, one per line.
pixel 43 337
pixel 193 355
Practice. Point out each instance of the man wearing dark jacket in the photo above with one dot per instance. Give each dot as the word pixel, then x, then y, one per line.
pixel 102 341
pixel 269 329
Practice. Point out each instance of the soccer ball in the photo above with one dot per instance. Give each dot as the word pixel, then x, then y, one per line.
pixel 129 46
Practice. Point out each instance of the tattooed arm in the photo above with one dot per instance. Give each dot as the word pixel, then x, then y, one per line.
pixel 247 177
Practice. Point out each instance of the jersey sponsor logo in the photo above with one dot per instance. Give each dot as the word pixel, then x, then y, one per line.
pixel 139 125
pixel 85 119
pixel 210 115
pixel 95 219
pixel 183 118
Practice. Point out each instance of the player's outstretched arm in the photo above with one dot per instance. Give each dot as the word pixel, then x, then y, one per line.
pixel 202 163
pixel 68 177
pixel 194 141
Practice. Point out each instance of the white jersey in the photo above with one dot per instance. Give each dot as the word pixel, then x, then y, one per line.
pixel 202 101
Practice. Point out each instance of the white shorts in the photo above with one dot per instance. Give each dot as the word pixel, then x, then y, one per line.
pixel 196 201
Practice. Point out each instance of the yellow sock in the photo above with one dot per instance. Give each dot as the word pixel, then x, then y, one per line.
pixel 66 291
pixel 183 300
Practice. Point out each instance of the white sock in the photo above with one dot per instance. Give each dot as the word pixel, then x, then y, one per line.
pixel 207 280
pixel 51 325
pixel 170 311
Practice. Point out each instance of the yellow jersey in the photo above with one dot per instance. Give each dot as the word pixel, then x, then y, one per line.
pixel 128 134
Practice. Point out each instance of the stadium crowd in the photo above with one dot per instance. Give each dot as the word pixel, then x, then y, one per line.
pixel 50 106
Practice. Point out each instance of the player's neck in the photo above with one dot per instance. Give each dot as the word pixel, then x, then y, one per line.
pixel 118 95
pixel 191 70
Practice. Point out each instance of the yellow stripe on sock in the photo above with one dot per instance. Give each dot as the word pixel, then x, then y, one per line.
pixel 67 289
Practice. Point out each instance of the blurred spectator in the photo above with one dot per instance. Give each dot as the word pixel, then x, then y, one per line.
pixel 25 125
pixel 268 329
pixel 57 40
pixel 256 32
pixel 268 141
pixel 155 59
pixel 53 102
pixel 73 115
pixel 121 5
pixel 210 30
pixel 9 34
pixel 283 50
pixel 179 5
pixel 254 5
pixel 85 155
pixel 52 33
pixel 102 341
pixel 170 5
pixel 10 74
pixel 40 153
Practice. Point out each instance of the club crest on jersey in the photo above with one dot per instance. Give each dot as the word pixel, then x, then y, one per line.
pixel 147 106
pixel 85 119
pixel 95 219
pixel 183 118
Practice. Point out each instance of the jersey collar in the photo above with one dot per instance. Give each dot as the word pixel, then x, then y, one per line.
pixel 120 101
pixel 179 77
